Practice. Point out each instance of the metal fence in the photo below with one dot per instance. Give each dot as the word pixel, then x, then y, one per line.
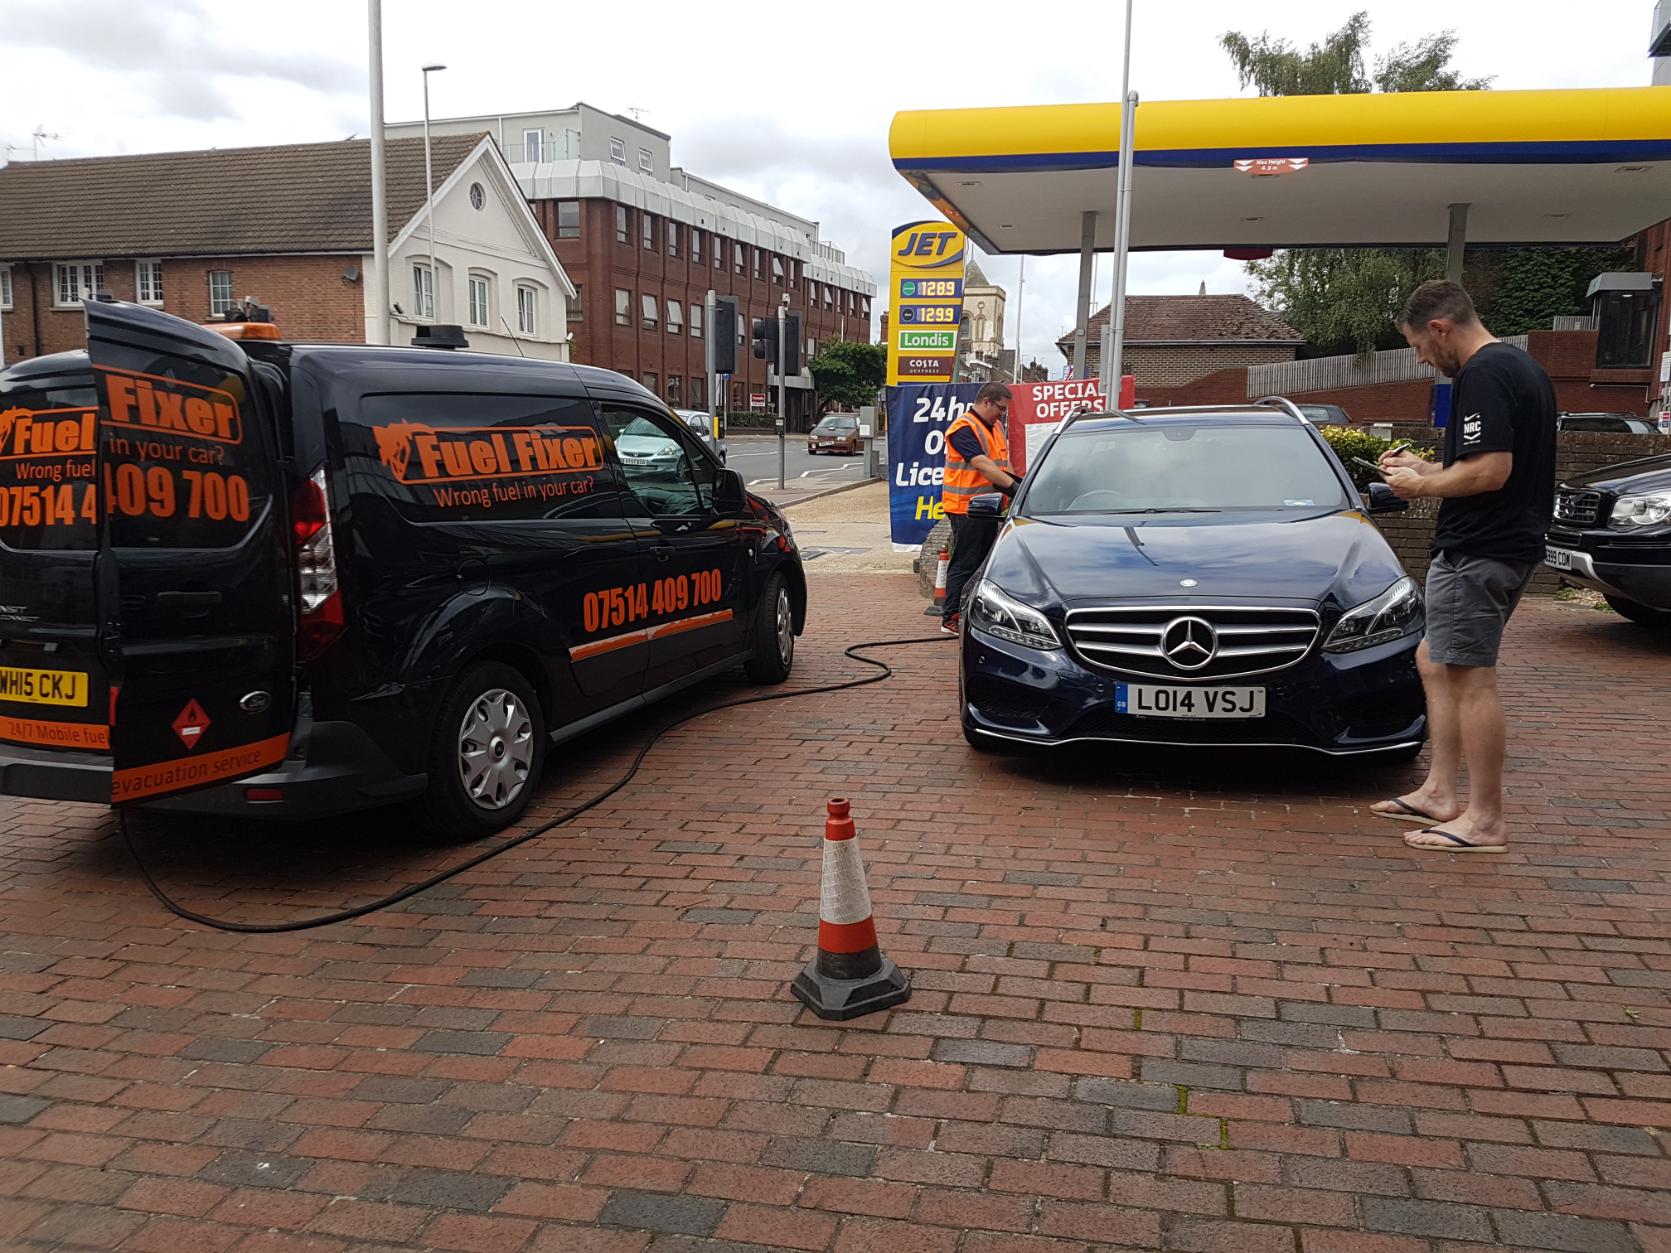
pixel 1322 374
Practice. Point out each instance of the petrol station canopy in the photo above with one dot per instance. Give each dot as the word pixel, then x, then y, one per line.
pixel 1547 167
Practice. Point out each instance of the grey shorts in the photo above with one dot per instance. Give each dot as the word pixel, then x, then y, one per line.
pixel 1469 600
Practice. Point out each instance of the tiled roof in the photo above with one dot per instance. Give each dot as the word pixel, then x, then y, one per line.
pixel 1193 320
pixel 239 201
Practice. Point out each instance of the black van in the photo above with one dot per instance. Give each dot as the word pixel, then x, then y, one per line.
pixel 251 577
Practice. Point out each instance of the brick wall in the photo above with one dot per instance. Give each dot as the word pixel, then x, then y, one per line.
pixel 1577 452
pixel 1568 356
pixel 308 298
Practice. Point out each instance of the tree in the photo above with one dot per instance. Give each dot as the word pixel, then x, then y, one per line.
pixel 848 373
pixel 1344 298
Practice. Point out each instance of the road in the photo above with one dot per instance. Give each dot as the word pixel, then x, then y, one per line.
pixel 755 458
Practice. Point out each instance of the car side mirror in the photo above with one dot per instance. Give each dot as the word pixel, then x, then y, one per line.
pixel 987 505
pixel 730 496
pixel 1382 499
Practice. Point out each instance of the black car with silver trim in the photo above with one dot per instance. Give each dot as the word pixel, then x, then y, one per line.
pixel 1193 577
pixel 1612 534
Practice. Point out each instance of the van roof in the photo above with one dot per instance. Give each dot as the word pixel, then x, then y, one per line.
pixel 588 376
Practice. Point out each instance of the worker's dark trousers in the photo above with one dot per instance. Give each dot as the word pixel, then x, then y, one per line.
pixel 972 539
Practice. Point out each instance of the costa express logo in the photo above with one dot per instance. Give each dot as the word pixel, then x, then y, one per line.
pixel 418 454
pixel 147 405
pixel 927 246
pixel 48 432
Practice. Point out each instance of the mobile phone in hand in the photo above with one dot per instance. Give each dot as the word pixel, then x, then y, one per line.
pixel 1369 465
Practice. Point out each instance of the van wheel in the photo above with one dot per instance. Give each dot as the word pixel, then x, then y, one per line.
pixel 486 754
pixel 774 635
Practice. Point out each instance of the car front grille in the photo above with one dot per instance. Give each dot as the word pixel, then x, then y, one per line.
pixel 1192 642
pixel 1579 508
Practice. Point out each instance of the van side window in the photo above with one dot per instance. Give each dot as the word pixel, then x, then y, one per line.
pixel 453 457
pixel 667 471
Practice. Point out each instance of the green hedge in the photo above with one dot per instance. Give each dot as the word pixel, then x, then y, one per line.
pixel 736 421
pixel 1354 441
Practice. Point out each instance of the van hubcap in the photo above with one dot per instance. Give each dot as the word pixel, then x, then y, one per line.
pixel 785 628
pixel 495 749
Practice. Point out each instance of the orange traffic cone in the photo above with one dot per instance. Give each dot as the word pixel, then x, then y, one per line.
pixel 938 608
pixel 849 977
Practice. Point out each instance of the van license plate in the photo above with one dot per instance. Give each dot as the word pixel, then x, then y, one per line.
pixel 1141 701
pixel 1557 558
pixel 43 687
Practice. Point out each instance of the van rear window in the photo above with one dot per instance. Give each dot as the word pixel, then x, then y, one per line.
pixel 48 457
pixel 440 457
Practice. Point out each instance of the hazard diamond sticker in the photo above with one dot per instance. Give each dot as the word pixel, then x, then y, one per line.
pixel 190 725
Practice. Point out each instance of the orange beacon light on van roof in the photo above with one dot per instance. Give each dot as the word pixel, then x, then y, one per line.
pixel 245 320
pixel 244 330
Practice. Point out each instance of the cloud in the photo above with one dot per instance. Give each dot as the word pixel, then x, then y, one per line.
pixel 172 59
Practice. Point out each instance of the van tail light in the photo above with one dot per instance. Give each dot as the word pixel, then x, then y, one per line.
pixel 319 619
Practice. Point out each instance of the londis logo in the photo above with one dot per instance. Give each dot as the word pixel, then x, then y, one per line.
pixel 927 246
pixel 47 432
pixel 147 403
pixel 418 454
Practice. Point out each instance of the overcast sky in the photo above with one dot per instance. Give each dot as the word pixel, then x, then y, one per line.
pixel 788 102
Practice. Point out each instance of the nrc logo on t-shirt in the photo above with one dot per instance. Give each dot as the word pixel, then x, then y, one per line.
pixel 1472 428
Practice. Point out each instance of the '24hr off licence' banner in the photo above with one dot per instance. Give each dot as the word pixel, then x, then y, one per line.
pixel 919 415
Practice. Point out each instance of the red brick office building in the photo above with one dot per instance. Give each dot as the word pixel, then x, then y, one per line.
pixel 644 241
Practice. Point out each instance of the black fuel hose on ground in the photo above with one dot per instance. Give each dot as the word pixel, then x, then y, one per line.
pixel 562 819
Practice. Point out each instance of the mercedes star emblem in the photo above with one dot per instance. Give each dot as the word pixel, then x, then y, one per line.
pixel 1189 643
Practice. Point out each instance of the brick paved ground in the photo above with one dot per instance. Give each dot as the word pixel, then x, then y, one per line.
pixel 1196 1006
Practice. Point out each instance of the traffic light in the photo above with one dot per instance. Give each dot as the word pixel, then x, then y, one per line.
pixel 764 335
pixel 791 345
pixel 722 337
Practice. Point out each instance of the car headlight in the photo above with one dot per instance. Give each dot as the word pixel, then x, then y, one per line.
pixel 1648 509
pixel 1393 614
pixel 1007 618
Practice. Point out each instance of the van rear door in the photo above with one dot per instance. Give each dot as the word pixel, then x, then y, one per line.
pixel 197 618
pixel 54 703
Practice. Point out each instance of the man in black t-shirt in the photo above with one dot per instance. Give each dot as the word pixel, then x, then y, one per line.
pixel 1497 485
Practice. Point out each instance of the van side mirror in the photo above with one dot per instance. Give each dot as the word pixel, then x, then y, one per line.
pixel 987 505
pixel 1382 499
pixel 730 496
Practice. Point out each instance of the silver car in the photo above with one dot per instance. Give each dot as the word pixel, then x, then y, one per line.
pixel 703 425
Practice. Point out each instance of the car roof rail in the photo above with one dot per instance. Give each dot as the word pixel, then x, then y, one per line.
pixel 1282 402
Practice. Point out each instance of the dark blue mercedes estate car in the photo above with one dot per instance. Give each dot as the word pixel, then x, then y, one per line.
pixel 1193 577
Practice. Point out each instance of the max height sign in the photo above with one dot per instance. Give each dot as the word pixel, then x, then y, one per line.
pixel 925 297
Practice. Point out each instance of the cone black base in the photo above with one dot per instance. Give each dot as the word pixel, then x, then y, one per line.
pixel 841 999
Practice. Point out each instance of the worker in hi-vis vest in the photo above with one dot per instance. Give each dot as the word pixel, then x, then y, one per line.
pixel 977 461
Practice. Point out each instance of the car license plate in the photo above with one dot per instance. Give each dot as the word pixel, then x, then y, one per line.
pixel 1141 701
pixel 1557 558
pixel 43 687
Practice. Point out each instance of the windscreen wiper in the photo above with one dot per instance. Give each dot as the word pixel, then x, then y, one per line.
pixel 1178 509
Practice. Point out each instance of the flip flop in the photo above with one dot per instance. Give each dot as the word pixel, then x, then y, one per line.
pixel 1407 812
pixel 1458 844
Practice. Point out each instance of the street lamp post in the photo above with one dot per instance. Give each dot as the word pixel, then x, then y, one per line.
pixel 429 190
pixel 1113 368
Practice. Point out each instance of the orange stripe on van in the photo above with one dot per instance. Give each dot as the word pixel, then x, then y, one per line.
pixel 597 647
pixel 176 775
pixel 679 625
pixel 54 734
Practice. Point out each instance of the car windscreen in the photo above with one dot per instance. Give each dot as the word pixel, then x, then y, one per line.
pixel 644 427
pixel 1132 468
pixel 838 424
